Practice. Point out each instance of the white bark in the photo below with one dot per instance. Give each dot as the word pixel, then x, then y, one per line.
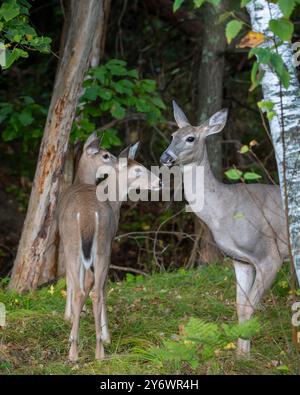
pixel 261 12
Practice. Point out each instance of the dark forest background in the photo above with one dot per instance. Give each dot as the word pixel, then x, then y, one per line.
pixel 163 46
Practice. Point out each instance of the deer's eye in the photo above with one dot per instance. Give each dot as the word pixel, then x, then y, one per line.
pixel 190 139
pixel 105 156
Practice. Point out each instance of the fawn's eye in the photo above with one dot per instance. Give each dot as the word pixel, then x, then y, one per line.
pixel 190 139
pixel 105 156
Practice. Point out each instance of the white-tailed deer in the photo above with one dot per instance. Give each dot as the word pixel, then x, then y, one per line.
pixel 247 220
pixel 87 228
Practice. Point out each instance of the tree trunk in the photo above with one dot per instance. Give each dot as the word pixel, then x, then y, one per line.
pixel 209 100
pixel 37 253
pixel 285 125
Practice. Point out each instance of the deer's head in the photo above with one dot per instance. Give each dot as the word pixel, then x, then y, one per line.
pixel 138 176
pixel 93 157
pixel 188 142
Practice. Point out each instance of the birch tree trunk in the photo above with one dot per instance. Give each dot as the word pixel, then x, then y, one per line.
pixel 38 244
pixel 285 125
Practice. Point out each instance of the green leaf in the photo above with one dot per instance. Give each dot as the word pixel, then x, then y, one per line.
pixel 256 76
pixel 232 30
pixel 92 92
pixel 244 149
pixel 26 118
pixel 158 102
pixel 12 56
pixel 287 7
pixel 87 125
pixel 117 67
pixel 42 44
pixel 233 174
pixel 133 74
pixel 148 85
pixel 277 63
pixel 265 105
pixel 251 176
pixel 282 28
pixel 177 4
pixel 244 3
pixel 263 54
pixel 9 10
pixel 198 3
pixel 110 139
pixel 9 134
pixel 105 94
pixel 117 111
pixel 100 74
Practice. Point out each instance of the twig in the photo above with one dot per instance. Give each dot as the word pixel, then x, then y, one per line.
pixel 128 269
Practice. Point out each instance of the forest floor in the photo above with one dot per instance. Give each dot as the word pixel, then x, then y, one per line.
pixel 143 312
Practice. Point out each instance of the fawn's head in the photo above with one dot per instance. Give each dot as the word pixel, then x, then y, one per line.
pixel 138 176
pixel 93 157
pixel 188 142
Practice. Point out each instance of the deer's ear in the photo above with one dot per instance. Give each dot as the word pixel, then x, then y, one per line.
pixel 179 116
pixel 124 153
pixel 217 122
pixel 92 144
pixel 133 150
pixel 130 151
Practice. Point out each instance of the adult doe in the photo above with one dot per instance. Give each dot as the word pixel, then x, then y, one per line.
pixel 247 220
pixel 87 227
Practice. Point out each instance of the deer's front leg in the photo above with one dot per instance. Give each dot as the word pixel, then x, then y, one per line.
pixel 244 282
pixel 68 309
pixel 104 322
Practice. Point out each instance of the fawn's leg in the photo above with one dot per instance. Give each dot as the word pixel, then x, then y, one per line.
pixel 100 272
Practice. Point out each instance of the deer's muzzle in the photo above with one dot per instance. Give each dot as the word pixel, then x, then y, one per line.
pixel 168 158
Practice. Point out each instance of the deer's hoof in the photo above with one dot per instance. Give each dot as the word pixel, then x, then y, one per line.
pixel 73 354
pixel 99 354
pixel 243 349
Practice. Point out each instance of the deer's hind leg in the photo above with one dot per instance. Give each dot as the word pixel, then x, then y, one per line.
pixel 97 295
pixel 244 281
pixel 78 298
pixel 104 320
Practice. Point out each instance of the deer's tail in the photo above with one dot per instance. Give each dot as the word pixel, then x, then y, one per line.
pixel 87 247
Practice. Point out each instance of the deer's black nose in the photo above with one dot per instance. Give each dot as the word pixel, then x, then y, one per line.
pixel 166 159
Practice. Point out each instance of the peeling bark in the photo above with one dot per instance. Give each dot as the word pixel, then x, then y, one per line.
pixel 287 145
pixel 38 245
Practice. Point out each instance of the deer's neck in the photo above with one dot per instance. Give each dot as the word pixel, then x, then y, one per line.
pixel 211 189
pixel 85 175
pixel 116 195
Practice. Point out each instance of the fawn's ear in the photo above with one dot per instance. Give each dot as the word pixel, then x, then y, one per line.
pixel 130 151
pixel 92 144
pixel 124 153
pixel 217 122
pixel 133 150
pixel 180 116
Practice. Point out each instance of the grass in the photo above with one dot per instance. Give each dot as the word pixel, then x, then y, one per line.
pixel 142 313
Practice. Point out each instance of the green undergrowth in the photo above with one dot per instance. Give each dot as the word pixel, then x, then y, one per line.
pixel 144 314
